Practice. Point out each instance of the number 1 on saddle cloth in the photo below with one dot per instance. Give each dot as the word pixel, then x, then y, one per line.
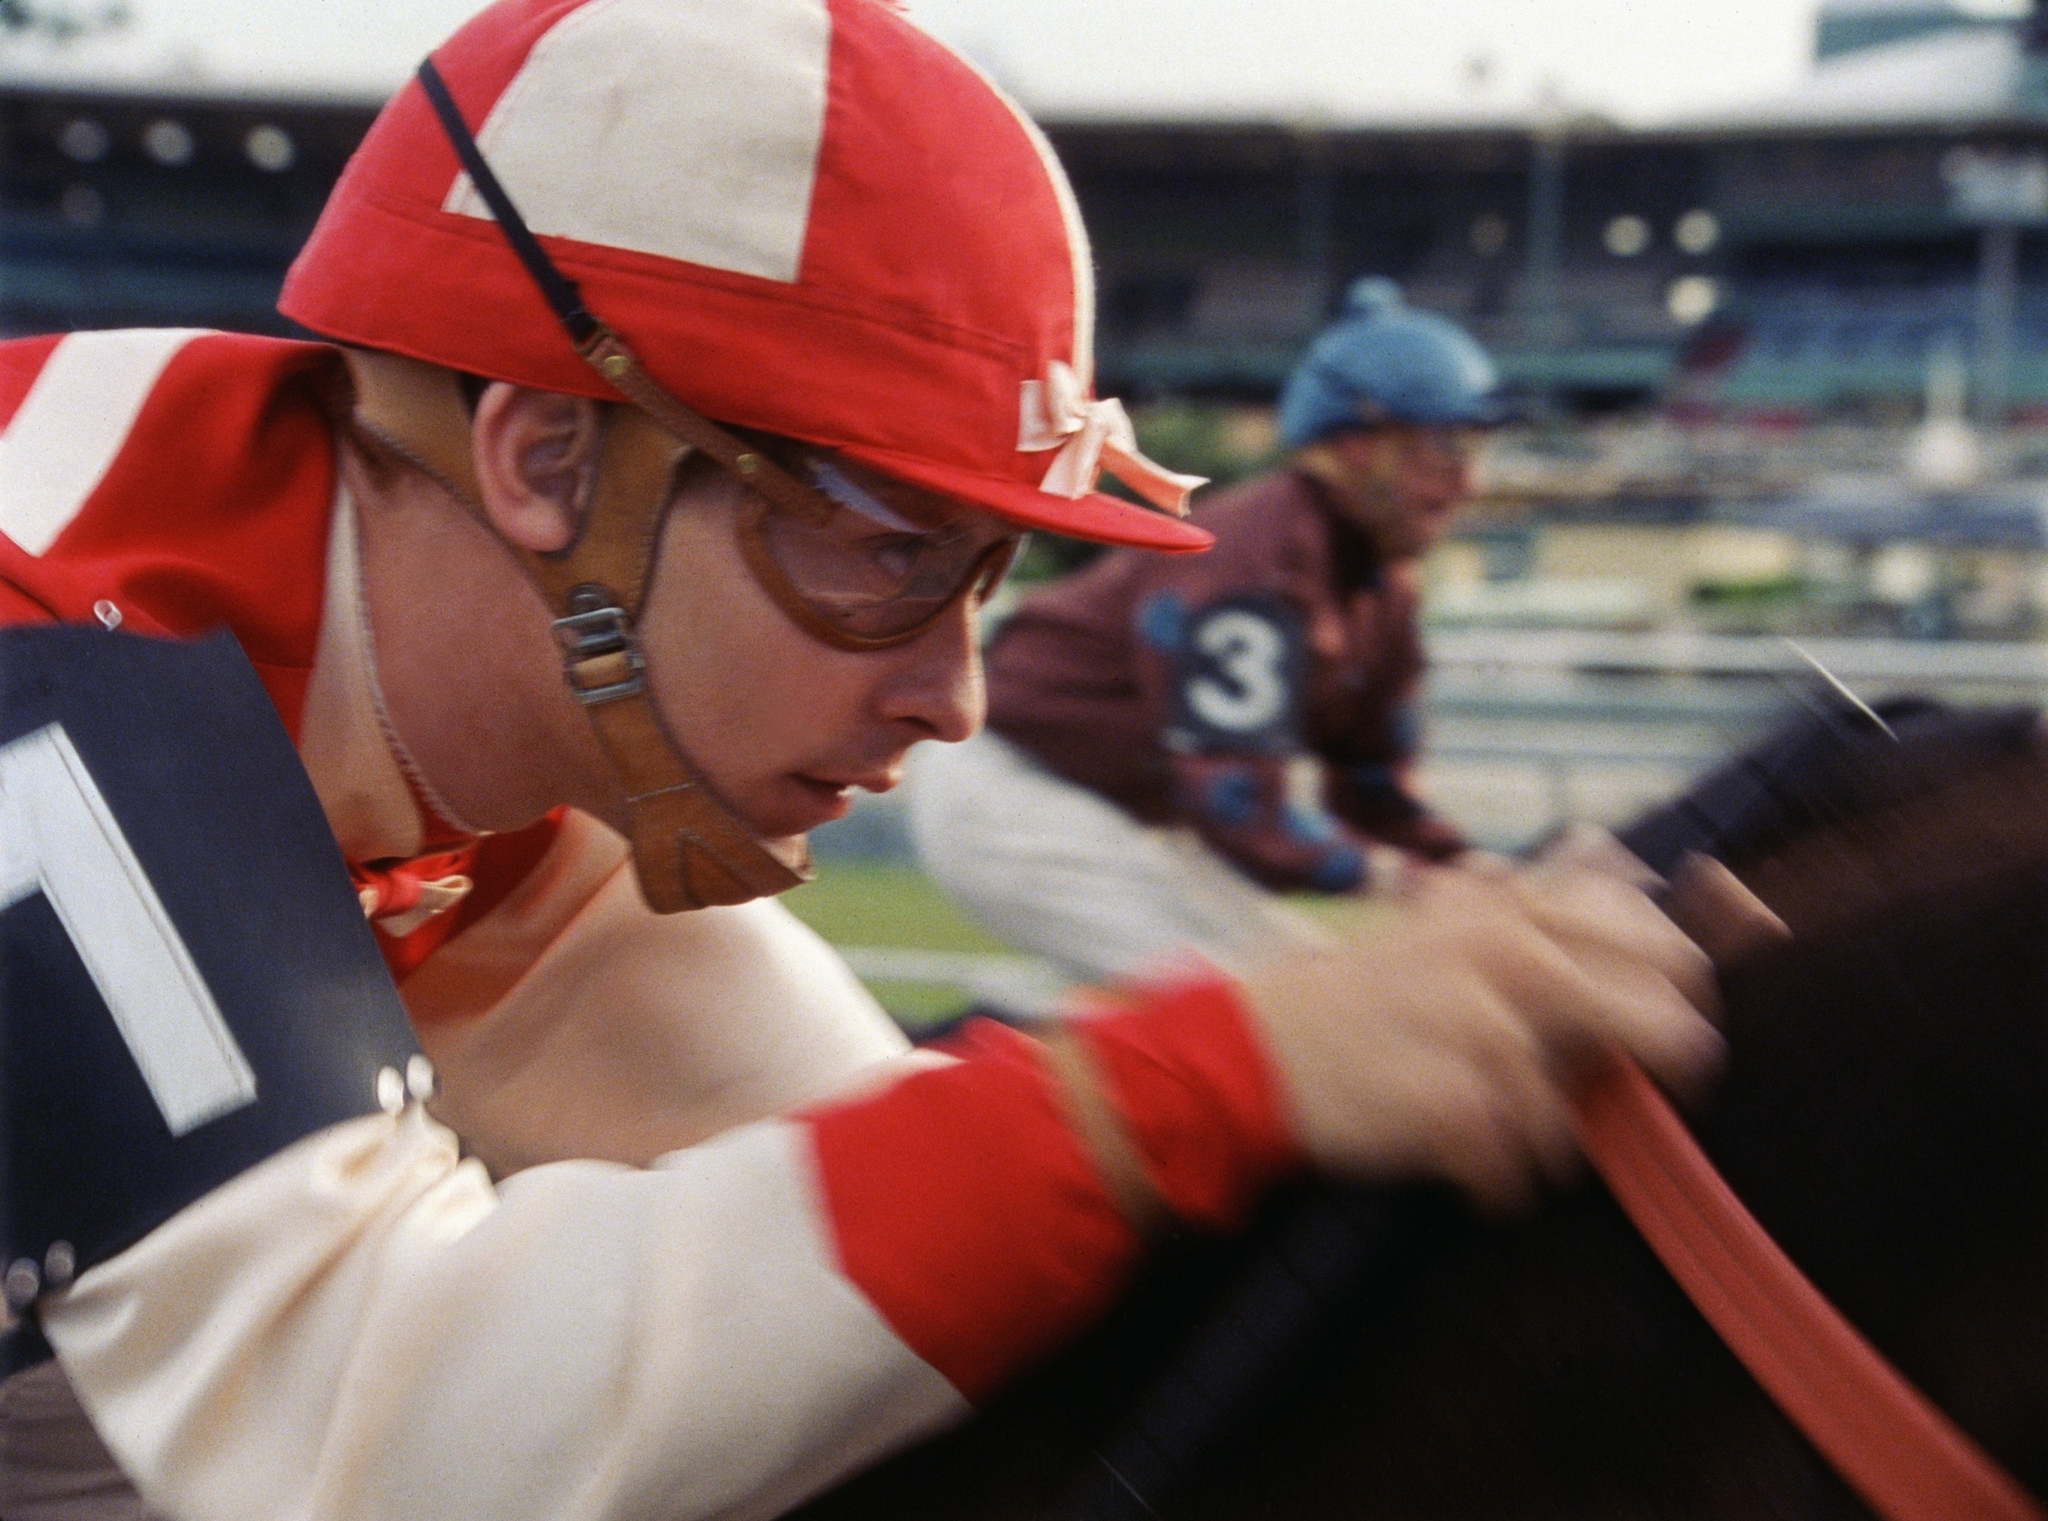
pixel 187 984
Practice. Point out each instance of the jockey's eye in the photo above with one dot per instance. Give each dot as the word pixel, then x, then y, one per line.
pixel 884 564
pixel 897 554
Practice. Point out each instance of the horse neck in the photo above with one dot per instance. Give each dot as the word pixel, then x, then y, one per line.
pixel 1882 1116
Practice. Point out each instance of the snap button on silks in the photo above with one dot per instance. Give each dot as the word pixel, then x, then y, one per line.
pixel 60 1264
pixel 23 1283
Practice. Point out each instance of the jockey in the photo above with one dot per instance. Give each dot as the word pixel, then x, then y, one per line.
pixel 1176 741
pixel 695 367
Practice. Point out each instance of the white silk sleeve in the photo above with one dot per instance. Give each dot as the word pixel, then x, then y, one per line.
pixel 362 1327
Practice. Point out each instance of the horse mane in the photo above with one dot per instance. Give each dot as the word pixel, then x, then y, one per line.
pixel 1882 1113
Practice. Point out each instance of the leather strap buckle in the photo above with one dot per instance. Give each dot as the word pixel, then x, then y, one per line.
pixel 600 656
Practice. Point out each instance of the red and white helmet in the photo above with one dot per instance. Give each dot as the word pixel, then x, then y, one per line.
pixel 805 216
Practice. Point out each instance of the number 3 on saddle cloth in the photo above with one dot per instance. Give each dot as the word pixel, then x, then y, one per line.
pixel 187 983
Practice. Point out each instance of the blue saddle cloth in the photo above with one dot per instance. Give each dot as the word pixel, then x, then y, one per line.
pixel 187 985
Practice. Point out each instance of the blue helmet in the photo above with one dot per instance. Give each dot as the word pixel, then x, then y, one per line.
pixel 1384 361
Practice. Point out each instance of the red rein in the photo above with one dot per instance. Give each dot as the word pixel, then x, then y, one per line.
pixel 1892 1446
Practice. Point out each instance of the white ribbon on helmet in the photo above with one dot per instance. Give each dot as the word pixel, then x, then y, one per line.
pixel 1092 436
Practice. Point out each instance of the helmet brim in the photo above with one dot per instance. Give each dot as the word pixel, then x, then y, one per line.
pixel 1099 517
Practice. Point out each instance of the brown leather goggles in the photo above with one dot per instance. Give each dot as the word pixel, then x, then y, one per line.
pixel 868 562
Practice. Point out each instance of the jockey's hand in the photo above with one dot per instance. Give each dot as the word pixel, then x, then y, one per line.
pixel 1440 1041
pixel 1389 872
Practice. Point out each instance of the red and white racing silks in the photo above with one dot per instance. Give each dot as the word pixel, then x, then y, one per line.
pixel 161 480
pixel 169 482
pixel 367 1325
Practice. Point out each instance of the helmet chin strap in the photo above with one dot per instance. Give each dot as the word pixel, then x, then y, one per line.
pixel 690 850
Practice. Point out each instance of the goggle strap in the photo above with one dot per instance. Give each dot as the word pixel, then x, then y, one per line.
pixel 557 288
pixel 607 353
pixel 413 411
pixel 689 849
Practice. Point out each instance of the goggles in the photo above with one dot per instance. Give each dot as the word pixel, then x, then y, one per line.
pixel 869 563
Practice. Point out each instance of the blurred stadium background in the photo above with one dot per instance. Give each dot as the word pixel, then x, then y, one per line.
pixel 1784 369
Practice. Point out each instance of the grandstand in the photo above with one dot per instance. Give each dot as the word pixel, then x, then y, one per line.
pixel 152 208
pixel 1810 257
pixel 1807 257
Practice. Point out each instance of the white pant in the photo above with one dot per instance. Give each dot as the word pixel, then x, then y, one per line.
pixel 1059 870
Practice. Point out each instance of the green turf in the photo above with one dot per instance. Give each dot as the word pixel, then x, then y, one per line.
pixel 920 1006
pixel 879 903
pixel 882 903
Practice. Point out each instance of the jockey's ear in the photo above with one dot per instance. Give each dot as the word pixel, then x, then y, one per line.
pixel 536 458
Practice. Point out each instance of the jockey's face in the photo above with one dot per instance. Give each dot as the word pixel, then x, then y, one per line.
pixel 783 724
pixel 1400 482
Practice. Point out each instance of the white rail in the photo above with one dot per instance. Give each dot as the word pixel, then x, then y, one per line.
pixel 1886 661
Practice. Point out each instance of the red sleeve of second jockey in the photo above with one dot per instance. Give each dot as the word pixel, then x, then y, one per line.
pixel 968 1213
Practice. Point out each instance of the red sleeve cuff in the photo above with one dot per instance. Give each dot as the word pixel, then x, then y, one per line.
pixel 968 1213
pixel 1198 1095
